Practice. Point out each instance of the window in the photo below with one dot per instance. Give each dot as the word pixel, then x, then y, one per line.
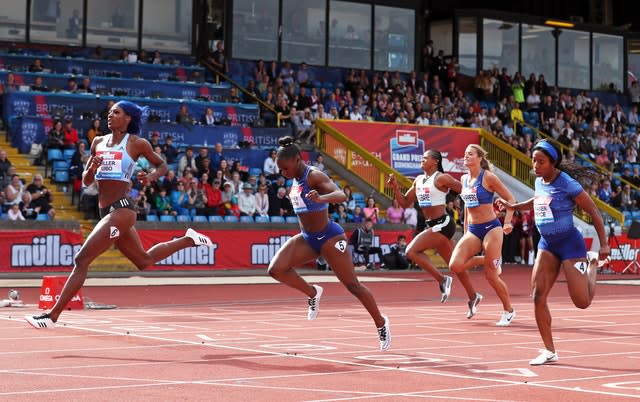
pixel 467 45
pixel 538 52
pixel 166 26
pixel 13 19
pixel 255 29
pixel 500 45
pixel 608 62
pixel 57 23
pixel 394 39
pixel 303 31
pixel 349 35
pixel 113 23
pixel 573 59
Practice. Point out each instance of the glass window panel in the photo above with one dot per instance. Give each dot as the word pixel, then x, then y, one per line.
pixel 57 23
pixel 394 39
pixel 499 44
pixel 166 26
pixel 303 31
pixel 573 59
pixel 608 61
pixel 255 29
pixel 634 67
pixel 349 35
pixel 441 33
pixel 538 52
pixel 467 45
pixel 113 23
pixel 13 19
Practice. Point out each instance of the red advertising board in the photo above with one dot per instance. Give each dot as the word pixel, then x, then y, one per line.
pixel 54 250
pixel 38 250
pixel 401 145
pixel 237 248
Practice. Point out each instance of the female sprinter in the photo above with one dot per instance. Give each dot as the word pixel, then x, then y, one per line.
pixel 113 158
pixel 561 245
pixel 430 190
pixel 311 193
pixel 483 231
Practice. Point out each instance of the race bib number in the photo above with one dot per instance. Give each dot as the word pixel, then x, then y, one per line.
pixel 470 197
pixel 423 194
pixel 295 196
pixel 341 245
pixel 542 210
pixel 111 167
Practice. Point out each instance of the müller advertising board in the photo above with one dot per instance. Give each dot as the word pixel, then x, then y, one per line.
pixel 54 250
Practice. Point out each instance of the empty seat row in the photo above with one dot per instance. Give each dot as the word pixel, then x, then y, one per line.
pixel 218 218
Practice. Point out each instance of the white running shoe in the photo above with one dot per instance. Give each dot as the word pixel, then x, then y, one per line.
pixel 506 318
pixel 384 333
pixel 546 356
pixel 445 288
pixel 473 305
pixel 198 238
pixel 314 303
pixel 40 321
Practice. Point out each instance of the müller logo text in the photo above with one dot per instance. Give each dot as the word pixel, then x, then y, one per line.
pixel 262 254
pixel 192 256
pixel 45 251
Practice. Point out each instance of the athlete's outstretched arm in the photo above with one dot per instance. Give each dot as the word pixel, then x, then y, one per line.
pixel 404 200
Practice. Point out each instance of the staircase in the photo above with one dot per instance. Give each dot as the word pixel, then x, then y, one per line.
pixel 112 259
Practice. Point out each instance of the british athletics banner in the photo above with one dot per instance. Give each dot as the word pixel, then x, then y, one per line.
pixel 233 249
pixel 401 145
pixel 38 250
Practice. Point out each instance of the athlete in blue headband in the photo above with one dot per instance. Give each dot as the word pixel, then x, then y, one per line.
pixel 111 165
pixel 561 245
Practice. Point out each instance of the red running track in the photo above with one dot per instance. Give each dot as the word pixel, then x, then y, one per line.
pixel 253 342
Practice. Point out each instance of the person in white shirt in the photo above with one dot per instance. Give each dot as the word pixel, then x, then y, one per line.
pixel 14 214
pixel 356 115
pixel 262 201
pixel 247 201
pixel 269 168
pixel 423 119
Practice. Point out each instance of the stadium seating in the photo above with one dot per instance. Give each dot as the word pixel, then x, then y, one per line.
pixel 152 218
pixel 277 219
pixel 262 219
pixel 167 218
pixel 183 218
pixel 231 218
pixel 246 219
pixel 200 218
pixel 216 218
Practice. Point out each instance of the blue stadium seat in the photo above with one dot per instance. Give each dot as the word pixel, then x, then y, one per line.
pixel 262 219
pixel 200 218
pixel 167 218
pixel 42 217
pixel 152 218
pixel 231 218
pixel 61 176
pixel 183 218
pixel 277 219
pixel 68 154
pixel 216 218
pixel 291 219
pixel 255 171
pixel 55 155
pixel 246 219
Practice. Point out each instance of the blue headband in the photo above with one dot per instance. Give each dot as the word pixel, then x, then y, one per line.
pixel 138 115
pixel 551 150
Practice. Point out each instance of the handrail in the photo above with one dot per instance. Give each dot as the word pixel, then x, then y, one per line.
pixel 519 166
pixel 357 159
pixel 219 74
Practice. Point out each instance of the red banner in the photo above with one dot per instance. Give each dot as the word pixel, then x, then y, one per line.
pixel 401 145
pixel 237 249
pixel 624 251
pixel 38 250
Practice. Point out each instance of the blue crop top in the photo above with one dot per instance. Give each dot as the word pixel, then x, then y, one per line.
pixel 553 204
pixel 476 195
pixel 298 196
pixel 116 162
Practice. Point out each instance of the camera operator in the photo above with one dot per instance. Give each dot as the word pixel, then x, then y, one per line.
pixel 40 197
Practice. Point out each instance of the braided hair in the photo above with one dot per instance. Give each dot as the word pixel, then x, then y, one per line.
pixel 288 149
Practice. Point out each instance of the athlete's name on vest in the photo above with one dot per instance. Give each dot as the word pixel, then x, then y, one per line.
pixel 47 251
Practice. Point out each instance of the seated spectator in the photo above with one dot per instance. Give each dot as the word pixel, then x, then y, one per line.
pixel 410 217
pixel 279 204
pixel 79 160
pixel 187 160
pixel 89 201
pixel 38 85
pixel 14 213
pixel 36 67
pixel 269 167
pixel 208 119
pixel 247 201
pixel 396 258
pixel 95 130
pixel 157 58
pixel 5 164
pixel 70 134
pixel 85 86
pixel 262 200
pixel 215 206
pixel 229 200
pixel 358 214
pixel 179 199
pixel 362 241
pixel 169 181
pixel 41 198
pixel 169 150
pixel 162 203
pixel 341 215
pixel 13 192
pixel 243 172
pixel 225 169
pixel 183 116
pixel 395 213
pixel 72 85
pixel 319 164
pixel 55 137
